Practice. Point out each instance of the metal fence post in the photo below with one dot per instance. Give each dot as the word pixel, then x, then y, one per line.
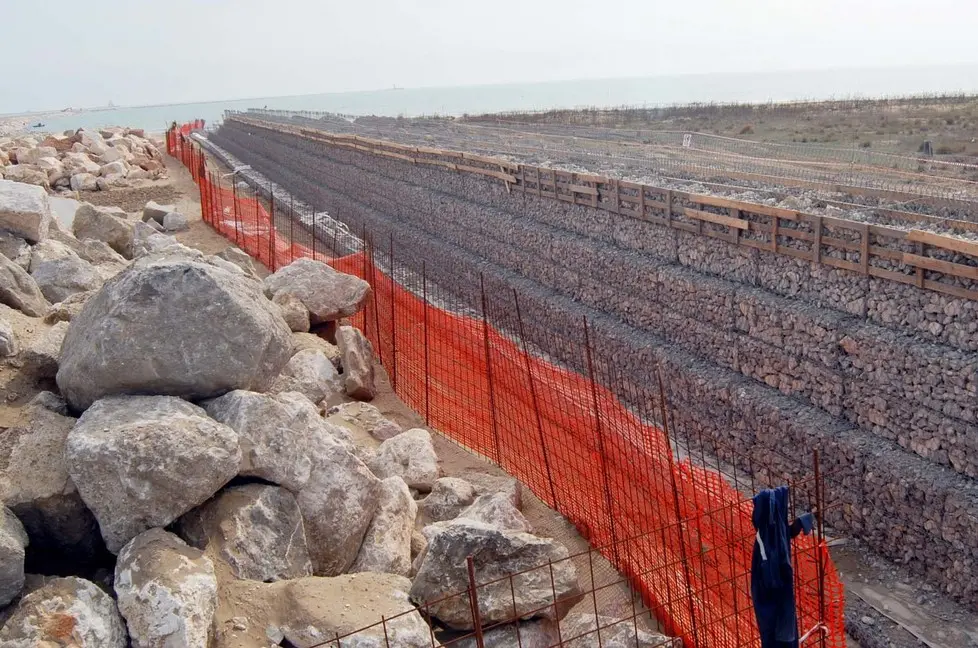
pixel 234 202
pixel 492 388
pixel 601 447
pixel 474 604
pixel 271 226
pixel 677 510
pixel 373 286
pixel 427 353
pixel 535 400
pixel 291 224
pixel 393 317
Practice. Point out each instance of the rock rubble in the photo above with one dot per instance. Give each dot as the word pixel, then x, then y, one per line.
pixel 82 161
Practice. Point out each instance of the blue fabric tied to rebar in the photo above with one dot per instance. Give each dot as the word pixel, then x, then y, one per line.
pixel 771 576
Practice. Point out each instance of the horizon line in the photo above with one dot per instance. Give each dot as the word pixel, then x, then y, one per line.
pixel 520 83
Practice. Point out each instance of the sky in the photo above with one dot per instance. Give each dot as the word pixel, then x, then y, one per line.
pixel 62 53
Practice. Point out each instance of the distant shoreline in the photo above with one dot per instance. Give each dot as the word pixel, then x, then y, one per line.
pixel 20 124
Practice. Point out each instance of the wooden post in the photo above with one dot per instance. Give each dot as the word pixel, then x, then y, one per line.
pixel 817 244
pixel 920 271
pixel 864 249
pixel 617 196
pixel 641 201
pixel 669 207
pixel 775 221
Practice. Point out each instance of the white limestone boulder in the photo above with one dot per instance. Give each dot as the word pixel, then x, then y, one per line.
pixel 25 211
pixel 220 334
pixel 143 461
pixel 167 592
pixel 327 293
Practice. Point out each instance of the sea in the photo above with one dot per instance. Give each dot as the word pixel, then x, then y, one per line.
pixel 647 91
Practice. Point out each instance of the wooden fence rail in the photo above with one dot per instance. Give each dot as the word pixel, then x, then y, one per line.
pixel 924 259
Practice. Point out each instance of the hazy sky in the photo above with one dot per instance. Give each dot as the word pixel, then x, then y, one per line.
pixel 62 53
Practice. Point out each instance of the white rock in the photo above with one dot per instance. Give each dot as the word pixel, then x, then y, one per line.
pixel 84 182
pixel 448 498
pixel 540 566
pixel 156 211
pixel 410 456
pixel 16 249
pixel 311 374
pixel 113 154
pixel 78 162
pixel 25 211
pixel 107 224
pixel 327 294
pixel 68 309
pixel 32 156
pixel 167 592
pixel 239 258
pixel 42 354
pixel 496 509
pixel 255 529
pixel 53 167
pixel 36 486
pixel 13 540
pixel 369 418
pixel 357 358
pixel 175 222
pixel 293 311
pixel 142 461
pixel 18 290
pixel 8 341
pixel 527 634
pixel 196 355
pixel 26 174
pixel 280 434
pixel 316 609
pixel 284 441
pixel 582 631
pixel 61 277
pixel 303 341
pixel 387 543
pixel 65 605
pixel 117 168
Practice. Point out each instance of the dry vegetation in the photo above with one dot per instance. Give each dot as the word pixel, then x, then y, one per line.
pixel 900 125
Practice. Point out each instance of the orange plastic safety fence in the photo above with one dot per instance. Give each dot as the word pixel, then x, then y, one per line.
pixel 679 531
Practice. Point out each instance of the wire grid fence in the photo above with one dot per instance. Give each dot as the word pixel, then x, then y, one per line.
pixel 675 152
pixel 603 451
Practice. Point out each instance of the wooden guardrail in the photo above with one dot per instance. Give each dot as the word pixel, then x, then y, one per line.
pixel 920 258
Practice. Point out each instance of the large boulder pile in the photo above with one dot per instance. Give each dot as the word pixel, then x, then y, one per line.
pixel 83 160
pixel 209 476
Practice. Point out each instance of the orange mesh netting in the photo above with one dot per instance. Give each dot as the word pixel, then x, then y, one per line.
pixel 680 532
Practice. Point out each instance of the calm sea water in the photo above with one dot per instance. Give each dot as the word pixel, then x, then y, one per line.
pixel 775 86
